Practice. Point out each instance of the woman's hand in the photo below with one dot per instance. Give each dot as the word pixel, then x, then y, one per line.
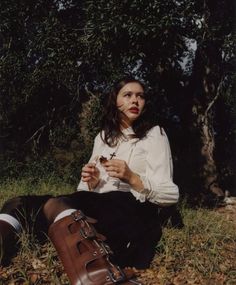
pixel 119 169
pixel 90 174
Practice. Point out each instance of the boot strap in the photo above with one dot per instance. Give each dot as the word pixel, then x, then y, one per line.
pixel 79 245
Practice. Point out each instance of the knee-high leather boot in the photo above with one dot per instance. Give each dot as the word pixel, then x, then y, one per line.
pixel 7 242
pixel 84 254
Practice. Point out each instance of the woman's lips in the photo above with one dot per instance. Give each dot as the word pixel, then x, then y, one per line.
pixel 134 110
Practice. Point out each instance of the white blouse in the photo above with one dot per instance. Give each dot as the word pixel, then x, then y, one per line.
pixel 149 157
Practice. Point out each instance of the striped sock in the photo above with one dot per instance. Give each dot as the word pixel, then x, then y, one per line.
pixel 12 221
pixel 64 213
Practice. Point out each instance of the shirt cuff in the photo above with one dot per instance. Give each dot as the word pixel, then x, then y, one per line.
pixel 164 194
pixel 141 195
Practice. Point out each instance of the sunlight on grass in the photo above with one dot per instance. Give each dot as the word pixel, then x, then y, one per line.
pixel 203 252
pixel 13 188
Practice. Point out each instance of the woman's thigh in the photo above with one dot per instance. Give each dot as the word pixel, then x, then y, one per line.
pixel 113 210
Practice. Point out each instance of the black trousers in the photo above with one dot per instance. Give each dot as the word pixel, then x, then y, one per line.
pixel 132 228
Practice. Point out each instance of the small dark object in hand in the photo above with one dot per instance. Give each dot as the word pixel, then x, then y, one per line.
pixel 103 159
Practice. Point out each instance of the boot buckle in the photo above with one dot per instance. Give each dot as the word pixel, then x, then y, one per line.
pixel 87 232
pixel 105 248
pixel 116 276
pixel 78 216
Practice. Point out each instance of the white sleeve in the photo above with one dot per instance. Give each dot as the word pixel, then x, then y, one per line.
pixel 158 179
pixel 96 150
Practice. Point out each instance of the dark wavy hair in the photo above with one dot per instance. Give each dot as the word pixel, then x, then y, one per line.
pixel 111 119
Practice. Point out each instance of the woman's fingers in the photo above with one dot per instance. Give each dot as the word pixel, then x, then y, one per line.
pixel 114 173
pixel 88 167
pixel 112 169
pixel 88 172
pixel 116 163
pixel 117 168
pixel 88 178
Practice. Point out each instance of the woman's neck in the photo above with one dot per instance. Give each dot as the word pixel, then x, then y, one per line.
pixel 125 124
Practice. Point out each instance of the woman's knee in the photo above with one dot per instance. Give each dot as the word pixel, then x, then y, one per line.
pixel 53 207
pixel 13 206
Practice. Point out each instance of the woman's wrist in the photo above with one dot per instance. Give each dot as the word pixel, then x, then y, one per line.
pixel 136 182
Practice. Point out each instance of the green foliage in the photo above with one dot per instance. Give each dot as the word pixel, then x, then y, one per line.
pixel 90 118
pixel 140 35
pixel 39 70
pixel 51 52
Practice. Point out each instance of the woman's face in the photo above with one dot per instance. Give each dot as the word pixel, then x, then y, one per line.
pixel 130 101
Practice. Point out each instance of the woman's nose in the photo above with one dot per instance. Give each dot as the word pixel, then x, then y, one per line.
pixel 134 99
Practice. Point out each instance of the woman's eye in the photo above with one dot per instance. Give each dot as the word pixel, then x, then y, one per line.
pixel 127 94
pixel 142 96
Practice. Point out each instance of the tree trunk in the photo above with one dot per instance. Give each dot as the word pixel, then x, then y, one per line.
pixel 208 169
pixel 206 93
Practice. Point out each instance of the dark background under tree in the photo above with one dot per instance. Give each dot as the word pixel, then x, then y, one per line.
pixel 58 59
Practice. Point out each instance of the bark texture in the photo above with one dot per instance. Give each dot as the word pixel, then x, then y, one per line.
pixel 207 84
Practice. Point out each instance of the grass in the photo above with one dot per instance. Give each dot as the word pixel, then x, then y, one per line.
pixel 31 186
pixel 202 252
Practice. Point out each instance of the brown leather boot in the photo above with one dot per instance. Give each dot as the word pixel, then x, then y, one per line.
pixel 84 254
pixel 7 242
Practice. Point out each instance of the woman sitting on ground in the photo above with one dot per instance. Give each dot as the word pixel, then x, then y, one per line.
pixel 127 181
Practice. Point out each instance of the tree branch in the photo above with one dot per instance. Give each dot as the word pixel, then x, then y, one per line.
pixel 35 133
pixel 213 101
